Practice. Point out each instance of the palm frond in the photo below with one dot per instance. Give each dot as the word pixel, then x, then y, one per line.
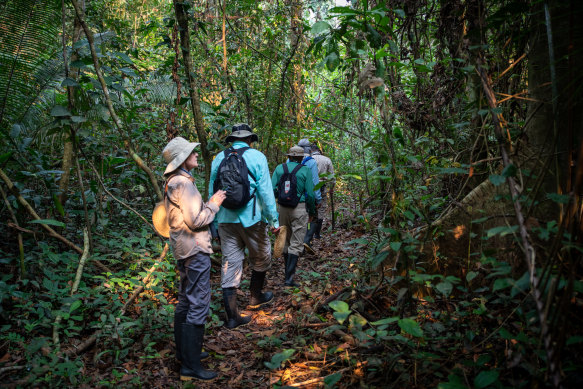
pixel 29 37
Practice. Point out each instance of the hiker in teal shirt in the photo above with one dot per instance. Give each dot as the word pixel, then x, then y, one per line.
pixel 294 215
pixel 245 227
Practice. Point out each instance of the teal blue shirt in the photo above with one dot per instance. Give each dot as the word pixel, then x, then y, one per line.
pixel 305 184
pixel 266 210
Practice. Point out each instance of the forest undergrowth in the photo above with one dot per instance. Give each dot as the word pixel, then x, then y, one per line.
pixel 348 325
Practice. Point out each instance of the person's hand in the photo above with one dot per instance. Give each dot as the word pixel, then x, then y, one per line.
pixel 319 205
pixel 311 218
pixel 275 230
pixel 218 198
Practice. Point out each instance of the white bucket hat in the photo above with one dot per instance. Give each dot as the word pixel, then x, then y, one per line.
pixel 176 152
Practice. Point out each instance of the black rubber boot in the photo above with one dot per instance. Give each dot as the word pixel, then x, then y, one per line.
pixel 319 223
pixel 290 270
pixel 234 320
pixel 285 262
pixel 192 336
pixel 309 235
pixel 179 319
pixel 258 297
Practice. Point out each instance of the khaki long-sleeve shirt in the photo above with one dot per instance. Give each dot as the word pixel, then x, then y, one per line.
pixel 188 217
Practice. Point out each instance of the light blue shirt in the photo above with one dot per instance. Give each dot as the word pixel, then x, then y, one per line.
pixel 313 165
pixel 266 209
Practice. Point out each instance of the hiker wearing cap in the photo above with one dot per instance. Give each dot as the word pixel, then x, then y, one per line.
pixel 294 190
pixel 189 218
pixel 326 174
pixel 312 164
pixel 243 172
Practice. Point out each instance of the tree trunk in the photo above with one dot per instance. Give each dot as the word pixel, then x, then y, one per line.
pixel 182 19
pixel 68 152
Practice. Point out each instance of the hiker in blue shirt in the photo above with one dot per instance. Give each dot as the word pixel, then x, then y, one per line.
pixel 313 165
pixel 245 227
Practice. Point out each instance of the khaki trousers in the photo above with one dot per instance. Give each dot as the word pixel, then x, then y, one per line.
pixel 296 221
pixel 234 239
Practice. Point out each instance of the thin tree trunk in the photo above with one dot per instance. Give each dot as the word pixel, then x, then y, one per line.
pixel 182 19
pixel 133 154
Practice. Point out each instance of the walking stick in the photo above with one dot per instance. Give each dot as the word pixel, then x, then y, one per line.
pixel 332 206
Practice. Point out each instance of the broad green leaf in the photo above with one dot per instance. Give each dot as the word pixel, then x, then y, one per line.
pixel 444 288
pixel 471 275
pixel 497 180
pixel 357 321
pixel 396 246
pixel 60 111
pixel 501 230
pixel 509 171
pixel 454 382
pixel 387 320
pixel 339 306
pixel 332 61
pixel 69 82
pixel 332 380
pixel 574 340
pixel 75 305
pixel 558 198
pixel 279 358
pixel 485 378
pixel 411 327
pixel 78 119
pixel 341 316
pixel 58 205
pixel 502 283
pixel 320 27
pixel 49 222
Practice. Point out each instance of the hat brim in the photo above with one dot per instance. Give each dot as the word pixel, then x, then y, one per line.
pixel 295 155
pixel 180 158
pixel 241 135
pixel 160 221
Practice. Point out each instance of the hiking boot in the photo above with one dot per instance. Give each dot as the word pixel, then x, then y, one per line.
pixel 318 223
pixel 192 336
pixel 234 320
pixel 179 319
pixel 258 297
pixel 290 270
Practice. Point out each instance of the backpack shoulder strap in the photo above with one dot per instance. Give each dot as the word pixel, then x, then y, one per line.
pixel 240 154
pixel 306 159
pixel 285 169
pixel 298 167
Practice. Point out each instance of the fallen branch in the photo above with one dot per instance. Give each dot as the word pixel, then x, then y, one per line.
pixel 318 380
pixel 51 232
pixel 141 288
pixel 75 286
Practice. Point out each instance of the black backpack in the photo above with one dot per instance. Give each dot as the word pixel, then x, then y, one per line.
pixel 287 187
pixel 233 177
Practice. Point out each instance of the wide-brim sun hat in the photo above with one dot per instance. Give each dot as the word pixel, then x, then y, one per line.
pixel 176 152
pixel 241 131
pixel 295 151
pixel 160 220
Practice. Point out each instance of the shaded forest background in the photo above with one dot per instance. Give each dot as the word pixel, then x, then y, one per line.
pixel 452 257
